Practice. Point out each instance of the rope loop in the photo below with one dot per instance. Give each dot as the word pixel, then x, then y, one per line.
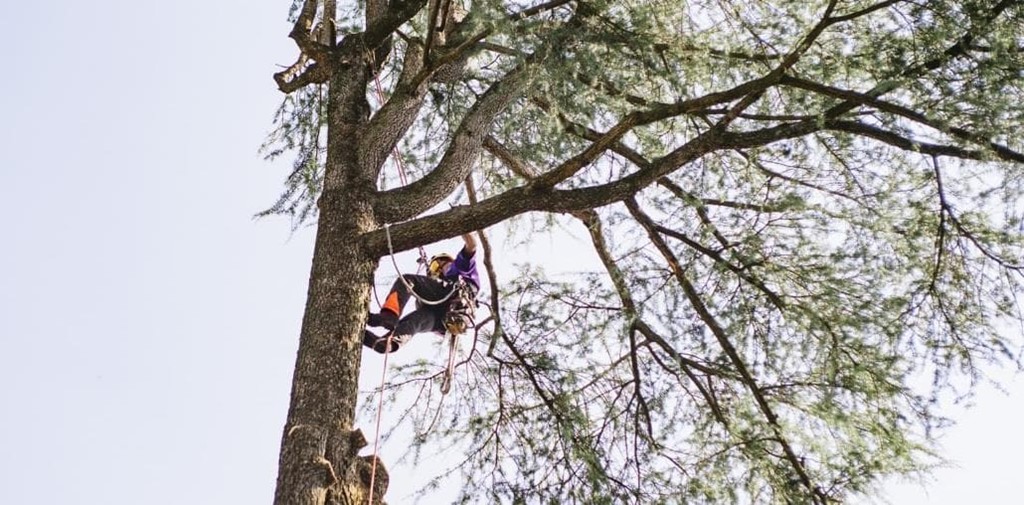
pixel 408 285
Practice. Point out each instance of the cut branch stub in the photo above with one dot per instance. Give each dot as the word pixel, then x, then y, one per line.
pixel 315 44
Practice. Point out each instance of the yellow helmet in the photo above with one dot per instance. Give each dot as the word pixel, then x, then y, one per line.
pixel 437 264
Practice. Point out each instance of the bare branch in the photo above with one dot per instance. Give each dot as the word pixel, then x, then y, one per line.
pixel 492 275
pixel 532 198
pixel 522 199
pixel 436 18
pixel 304 22
pixel 748 93
pixel 302 33
pixel 312 65
pixel 573 165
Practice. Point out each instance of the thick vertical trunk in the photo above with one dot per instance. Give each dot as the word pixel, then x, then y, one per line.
pixel 318 462
pixel 318 449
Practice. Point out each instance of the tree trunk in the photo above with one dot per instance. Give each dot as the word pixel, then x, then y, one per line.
pixel 319 462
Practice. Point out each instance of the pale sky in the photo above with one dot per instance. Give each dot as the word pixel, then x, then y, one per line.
pixel 148 325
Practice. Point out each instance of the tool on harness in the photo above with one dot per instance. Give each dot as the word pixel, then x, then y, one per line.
pixel 461 308
pixel 458 318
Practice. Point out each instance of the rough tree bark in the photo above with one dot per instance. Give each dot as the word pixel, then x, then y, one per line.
pixel 318 459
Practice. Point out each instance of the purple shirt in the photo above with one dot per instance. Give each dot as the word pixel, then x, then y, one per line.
pixel 464 266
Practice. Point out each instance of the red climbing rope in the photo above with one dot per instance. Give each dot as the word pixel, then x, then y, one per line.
pixel 394 151
pixel 396 154
pixel 423 259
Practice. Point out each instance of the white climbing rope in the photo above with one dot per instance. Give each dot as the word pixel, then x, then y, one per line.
pixel 408 285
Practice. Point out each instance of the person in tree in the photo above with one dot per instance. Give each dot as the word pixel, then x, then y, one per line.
pixel 443 274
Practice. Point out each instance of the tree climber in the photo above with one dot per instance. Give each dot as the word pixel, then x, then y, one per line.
pixel 444 275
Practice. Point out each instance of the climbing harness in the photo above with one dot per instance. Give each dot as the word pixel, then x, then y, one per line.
pixel 461 300
pixel 461 308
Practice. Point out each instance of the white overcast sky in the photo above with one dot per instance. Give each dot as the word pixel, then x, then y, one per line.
pixel 148 325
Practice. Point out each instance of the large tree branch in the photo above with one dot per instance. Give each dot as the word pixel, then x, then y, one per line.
pixel 600 142
pixel 589 219
pixel 528 198
pixel 525 171
pixel 408 201
pixel 865 99
pixel 386 21
pixel 744 140
pixel 749 91
pixel 394 118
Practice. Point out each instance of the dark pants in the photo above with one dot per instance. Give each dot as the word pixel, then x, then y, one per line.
pixel 426 318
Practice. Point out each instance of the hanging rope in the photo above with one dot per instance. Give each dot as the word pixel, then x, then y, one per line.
pixel 380 410
pixel 395 153
pixel 400 164
pixel 408 285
